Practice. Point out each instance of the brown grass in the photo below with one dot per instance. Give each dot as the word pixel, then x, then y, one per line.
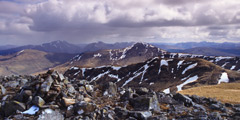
pixel 225 92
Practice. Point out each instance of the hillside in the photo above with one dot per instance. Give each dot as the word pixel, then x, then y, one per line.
pixel 30 61
pixel 53 96
pixel 225 92
pixel 158 74
pixel 138 52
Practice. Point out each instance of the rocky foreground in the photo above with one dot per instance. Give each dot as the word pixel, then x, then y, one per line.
pixel 52 96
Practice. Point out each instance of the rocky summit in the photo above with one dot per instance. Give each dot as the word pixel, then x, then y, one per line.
pixel 53 96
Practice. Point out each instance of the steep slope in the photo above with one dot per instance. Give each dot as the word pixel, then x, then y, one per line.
pixel 30 61
pixel 158 74
pixel 231 63
pixel 54 47
pixel 136 53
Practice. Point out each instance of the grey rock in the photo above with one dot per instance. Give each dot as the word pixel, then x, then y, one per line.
pixel 10 107
pixel 110 89
pixel 3 91
pixel 84 107
pixel 38 101
pixel 45 87
pixel 144 103
pixel 140 115
pixel 49 114
pixel 12 84
pixel 142 91
pixel 215 116
pixel 186 100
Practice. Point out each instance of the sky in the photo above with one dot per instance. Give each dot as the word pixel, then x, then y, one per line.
pixel 85 21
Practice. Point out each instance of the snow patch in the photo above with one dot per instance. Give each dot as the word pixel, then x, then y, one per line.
pixel 162 62
pixel 130 79
pixel 224 78
pixel 192 79
pixel 166 91
pixel 74 68
pixel 189 67
pixel 151 83
pixel 20 52
pixel 99 76
pixel 180 63
pixel 217 59
pixel 233 67
pixel 116 68
pixel 97 55
pixel 32 110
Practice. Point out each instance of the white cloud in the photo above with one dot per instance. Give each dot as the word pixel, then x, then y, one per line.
pixel 125 20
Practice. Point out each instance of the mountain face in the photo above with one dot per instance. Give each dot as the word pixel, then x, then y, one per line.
pixel 30 61
pixel 158 74
pixel 231 63
pixel 141 52
pixel 136 53
pixel 54 47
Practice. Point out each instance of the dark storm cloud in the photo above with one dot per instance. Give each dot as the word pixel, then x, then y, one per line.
pixel 92 20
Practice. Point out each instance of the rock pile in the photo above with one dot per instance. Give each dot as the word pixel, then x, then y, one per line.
pixel 54 96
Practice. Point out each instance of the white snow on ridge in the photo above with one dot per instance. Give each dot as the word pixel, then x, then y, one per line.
pixel 99 76
pixel 224 78
pixel 130 79
pixel 83 71
pixel 20 52
pixel 233 67
pixel 220 58
pixel 224 64
pixel 116 68
pixel 189 67
pixel 162 62
pixel 180 63
pixel 192 79
pixel 97 55
pixel 74 68
pixel 166 91
pixel 144 71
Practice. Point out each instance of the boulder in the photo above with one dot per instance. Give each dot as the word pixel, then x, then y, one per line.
pixel 68 101
pixel 45 87
pixel 49 114
pixel 144 103
pixel 10 107
pixel 183 98
pixel 84 107
pixel 140 115
pixel 3 91
pixel 110 89
pixel 142 91
pixel 37 100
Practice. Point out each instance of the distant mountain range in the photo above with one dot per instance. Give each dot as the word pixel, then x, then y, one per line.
pixel 53 47
pixel 66 55
pixel 203 48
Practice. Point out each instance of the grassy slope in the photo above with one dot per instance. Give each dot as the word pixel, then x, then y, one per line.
pixel 225 92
